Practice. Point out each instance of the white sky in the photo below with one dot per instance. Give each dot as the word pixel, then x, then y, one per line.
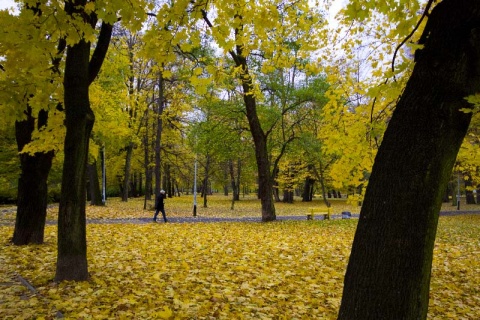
pixel 6 4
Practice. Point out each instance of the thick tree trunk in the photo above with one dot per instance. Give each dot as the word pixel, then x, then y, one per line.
pixel 79 119
pixel 265 180
pixel 94 184
pixel 307 194
pixel 32 192
pixel 287 196
pixel 388 274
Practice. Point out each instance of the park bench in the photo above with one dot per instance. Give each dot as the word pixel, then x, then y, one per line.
pixel 325 211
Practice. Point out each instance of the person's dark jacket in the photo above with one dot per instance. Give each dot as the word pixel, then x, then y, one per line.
pixel 160 203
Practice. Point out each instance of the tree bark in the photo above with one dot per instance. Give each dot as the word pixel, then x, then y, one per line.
pixel 287 196
pixel 307 194
pixel 32 195
pixel 226 168
pixel 146 159
pixel 319 174
pixel 265 180
pixel 239 174
pixel 94 185
pixel 235 184
pixel 126 174
pixel 79 119
pixel 469 197
pixel 158 137
pixel 205 181
pixel 388 274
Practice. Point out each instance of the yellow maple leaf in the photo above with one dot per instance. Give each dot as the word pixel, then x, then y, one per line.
pixel 166 313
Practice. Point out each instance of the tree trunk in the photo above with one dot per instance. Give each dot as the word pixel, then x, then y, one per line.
pixel 320 174
pixel 140 184
pixel 234 184
pixel 469 197
pixel 226 168
pixel 126 173
pixel 32 195
pixel 146 159
pixel 276 190
pixel 94 184
pixel 79 119
pixel 308 189
pixel 288 196
pixel 388 274
pixel 168 180
pixel 205 182
pixel 239 174
pixel 265 180
pixel 158 137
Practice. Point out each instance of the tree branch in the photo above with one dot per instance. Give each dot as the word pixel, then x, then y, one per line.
pixel 425 13
pixel 235 57
pixel 100 51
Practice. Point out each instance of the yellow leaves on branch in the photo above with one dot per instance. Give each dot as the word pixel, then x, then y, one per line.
pixel 475 101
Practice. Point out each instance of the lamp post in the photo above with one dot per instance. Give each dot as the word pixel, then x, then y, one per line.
pixel 195 189
pixel 104 177
pixel 458 191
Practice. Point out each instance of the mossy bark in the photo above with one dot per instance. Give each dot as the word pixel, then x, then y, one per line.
pixel 32 195
pixel 388 274
pixel 79 119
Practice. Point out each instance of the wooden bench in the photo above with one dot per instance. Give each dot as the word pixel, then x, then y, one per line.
pixel 325 211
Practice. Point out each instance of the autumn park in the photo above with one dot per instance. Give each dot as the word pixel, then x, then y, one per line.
pixel 313 159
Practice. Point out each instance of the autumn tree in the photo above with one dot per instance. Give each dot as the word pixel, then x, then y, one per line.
pixel 246 30
pixel 389 270
pixel 80 71
pixel 9 170
pixel 468 159
pixel 32 61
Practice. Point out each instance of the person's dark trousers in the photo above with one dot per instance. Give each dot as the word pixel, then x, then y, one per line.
pixel 163 214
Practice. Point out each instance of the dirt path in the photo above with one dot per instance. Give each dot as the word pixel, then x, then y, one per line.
pixel 200 219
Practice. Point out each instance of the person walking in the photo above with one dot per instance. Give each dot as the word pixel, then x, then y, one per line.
pixel 160 206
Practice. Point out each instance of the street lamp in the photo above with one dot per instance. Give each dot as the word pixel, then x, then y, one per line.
pixel 458 191
pixel 104 177
pixel 195 190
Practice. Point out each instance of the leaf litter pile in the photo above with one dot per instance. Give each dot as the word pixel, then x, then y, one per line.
pixel 234 270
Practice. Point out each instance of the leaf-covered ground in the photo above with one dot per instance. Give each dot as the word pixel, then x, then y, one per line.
pixel 280 270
